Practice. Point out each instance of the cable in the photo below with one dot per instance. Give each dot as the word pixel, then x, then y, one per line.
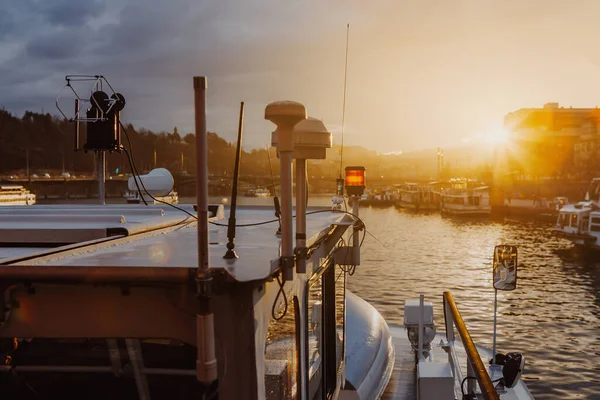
pixel 280 292
pixel 161 201
pixel 132 165
pixel 462 389
pixel 135 172
pixel 275 198
pixel 308 213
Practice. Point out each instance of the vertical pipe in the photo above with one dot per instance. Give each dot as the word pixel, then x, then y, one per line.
pixel 355 209
pixel 206 363
pixel 115 356
pixel 134 351
pixel 495 313
pixel 471 374
pixel 421 310
pixel 301 215
pixel 76 127
pixel 449 321
pixel 117 130
pixel 287 231
pixel 101 163
pixel 201 174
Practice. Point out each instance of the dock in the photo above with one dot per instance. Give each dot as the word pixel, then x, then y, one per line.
pixel 521 208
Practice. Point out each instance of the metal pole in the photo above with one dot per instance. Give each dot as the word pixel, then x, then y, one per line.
pixel 301 215
pixel 206 363
pixel 101 164
pixel 421 330
pixel 134 351
pixel 470 374
pixel 287 231
pixel 495 313
pixel 201 174
pixel 355 240
pixel 76 127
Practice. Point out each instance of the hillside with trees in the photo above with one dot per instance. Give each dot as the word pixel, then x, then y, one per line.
pixel 48 141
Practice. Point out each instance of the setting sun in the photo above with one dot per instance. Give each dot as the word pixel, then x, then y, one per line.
pixel 495 135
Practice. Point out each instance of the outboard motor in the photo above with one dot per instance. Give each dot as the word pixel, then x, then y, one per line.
pixel 512 367
pixel 413 311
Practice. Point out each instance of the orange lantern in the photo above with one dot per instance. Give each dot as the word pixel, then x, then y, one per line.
pixel 355 181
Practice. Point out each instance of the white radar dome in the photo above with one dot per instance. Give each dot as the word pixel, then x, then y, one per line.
pixel 158 182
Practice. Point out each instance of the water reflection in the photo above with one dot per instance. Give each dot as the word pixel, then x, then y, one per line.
pixel 553 316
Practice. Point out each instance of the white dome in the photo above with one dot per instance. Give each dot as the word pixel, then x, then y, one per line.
pixel 158 182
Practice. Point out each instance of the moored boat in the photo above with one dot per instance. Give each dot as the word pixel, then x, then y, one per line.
pixel 258 192
pixel 580 222
pixel 15 195
pixel 417 197
pixel 465 200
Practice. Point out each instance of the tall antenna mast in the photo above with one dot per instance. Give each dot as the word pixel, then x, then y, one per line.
pixel 344 105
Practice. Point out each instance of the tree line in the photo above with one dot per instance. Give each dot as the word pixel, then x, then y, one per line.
pixel 46 143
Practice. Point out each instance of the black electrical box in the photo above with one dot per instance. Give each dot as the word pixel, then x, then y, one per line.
pixel 103 124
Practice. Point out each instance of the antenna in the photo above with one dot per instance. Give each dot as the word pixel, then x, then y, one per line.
pixel 236 174
pixel 344 103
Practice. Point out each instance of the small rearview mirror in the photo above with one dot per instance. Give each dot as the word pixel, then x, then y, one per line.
pixel 505 267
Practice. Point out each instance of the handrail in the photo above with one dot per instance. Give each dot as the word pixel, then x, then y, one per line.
pixel 481 374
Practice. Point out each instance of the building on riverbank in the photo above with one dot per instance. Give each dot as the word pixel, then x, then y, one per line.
pixel 553 141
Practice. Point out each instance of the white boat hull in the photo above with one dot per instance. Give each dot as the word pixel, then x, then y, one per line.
pixel 16 195
pixel 21 202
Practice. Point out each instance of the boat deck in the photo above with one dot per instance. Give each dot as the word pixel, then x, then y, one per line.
pixel 403 382
pixel 402 385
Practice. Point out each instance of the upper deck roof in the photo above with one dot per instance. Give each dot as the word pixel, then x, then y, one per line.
pixel 157 239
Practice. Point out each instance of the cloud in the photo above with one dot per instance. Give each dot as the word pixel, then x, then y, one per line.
pixel 69 13
pixel 420 73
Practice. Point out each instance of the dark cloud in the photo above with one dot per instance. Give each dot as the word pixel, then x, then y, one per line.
pixel 69 13
pixel 406 58
pixel 61 45
pixel 6 23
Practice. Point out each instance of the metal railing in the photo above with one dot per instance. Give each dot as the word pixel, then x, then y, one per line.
pixel 476 370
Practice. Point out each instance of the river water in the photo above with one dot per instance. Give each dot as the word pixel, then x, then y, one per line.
pixel 553 316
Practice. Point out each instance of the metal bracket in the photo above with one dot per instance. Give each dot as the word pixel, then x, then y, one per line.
pixel 287 268
pixel 95 82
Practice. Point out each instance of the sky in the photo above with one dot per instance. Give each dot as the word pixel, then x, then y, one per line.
pixel 421 74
